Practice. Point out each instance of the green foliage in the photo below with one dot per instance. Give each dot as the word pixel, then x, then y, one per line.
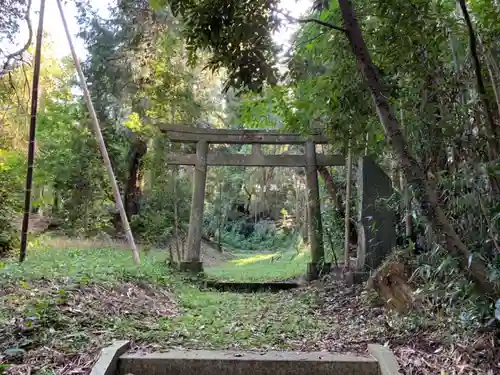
pixel 70 165
pixel 265 235
pixel 155 222
pixel 238 35
pixel 10 184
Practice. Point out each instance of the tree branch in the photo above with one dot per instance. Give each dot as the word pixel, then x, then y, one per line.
pixel 311 20
pixel 304 42
pixel 322 23
pixel 26 45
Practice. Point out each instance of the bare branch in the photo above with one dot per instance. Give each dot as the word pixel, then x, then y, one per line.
pixel 24 48
pixel 311 20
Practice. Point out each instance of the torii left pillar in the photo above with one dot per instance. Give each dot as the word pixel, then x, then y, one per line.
pixel 192 262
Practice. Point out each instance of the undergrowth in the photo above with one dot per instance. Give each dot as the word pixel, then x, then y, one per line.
pixel 62 305
pixel 262 239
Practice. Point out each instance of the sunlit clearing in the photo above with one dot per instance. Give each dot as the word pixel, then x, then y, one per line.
pixel 254 259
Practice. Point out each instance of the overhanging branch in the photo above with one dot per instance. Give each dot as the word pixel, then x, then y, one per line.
pixel 322 23
pixel 311 20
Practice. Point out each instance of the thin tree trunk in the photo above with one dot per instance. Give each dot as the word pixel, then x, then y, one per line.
pixel 31 145
pixel 332 189
pixel 406 192
pixel 424 191
pixel 133 186
pixel 491 130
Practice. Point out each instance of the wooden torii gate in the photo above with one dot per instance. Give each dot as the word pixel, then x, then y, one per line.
pixel 203 137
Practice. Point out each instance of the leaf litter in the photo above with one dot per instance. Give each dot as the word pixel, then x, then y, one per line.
pixel 421 349
pixel 62 329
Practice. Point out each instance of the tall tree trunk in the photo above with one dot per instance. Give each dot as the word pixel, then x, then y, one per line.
pixel 424 191
pixel 337 201
pixel 332 190
pixel 133 187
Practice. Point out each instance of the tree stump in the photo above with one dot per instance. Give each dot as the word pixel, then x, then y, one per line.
pixel 391 282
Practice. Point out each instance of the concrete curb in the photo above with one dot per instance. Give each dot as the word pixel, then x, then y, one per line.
pixel 107 364
pixel 195 362
pixel 386 359
pixel 114 360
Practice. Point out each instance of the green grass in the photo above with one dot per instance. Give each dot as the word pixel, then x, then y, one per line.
pixel 263 267
pixel 74 301
pixel 84 265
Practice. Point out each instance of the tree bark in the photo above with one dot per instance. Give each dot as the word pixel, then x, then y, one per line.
pixel 332 190
pixel 425 193
pixel 133 186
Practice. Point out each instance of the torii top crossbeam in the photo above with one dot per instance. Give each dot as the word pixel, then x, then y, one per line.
pixel 179 133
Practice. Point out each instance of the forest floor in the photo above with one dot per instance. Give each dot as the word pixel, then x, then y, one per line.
pixel 61 306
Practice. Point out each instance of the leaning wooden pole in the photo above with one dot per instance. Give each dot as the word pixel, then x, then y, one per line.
pixel 31 144
pixel 102 145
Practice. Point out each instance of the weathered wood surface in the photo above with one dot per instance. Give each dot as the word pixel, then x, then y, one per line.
pixel 197 203
pixel 179 133
pixel 314 208
pixel 108 361
pixel 255 160
pixel 195 362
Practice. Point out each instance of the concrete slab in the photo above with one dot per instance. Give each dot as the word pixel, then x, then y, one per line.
pixel 386 359
pixel 201 362
pixel 108 360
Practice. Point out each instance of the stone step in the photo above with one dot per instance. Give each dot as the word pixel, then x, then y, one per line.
pixel 115 361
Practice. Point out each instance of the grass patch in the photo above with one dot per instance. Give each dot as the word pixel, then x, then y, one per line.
pixel 85 265
pixel 61 306
pixel 263 267
pixel 215 320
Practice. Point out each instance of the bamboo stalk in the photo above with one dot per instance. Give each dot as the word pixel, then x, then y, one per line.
pixel 102 145
pixel 32 136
